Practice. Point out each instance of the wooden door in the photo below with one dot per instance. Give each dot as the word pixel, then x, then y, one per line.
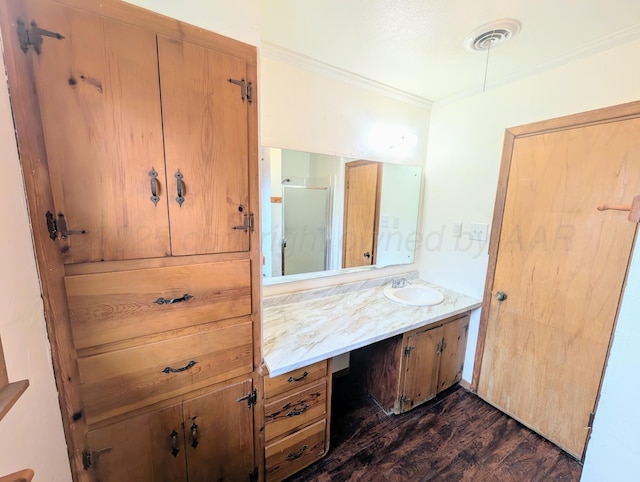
pixel 219 432
pixel 206 143
pixel 561 264
pixel 422 360
pixel 361 205
pixel 99 105
pixel 452 352
pixel 147 448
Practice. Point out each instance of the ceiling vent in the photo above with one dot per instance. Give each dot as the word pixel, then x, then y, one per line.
pixel 492 35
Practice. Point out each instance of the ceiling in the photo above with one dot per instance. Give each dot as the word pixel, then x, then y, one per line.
pixel 416 46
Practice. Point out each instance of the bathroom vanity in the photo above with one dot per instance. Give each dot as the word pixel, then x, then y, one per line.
pixel 396 343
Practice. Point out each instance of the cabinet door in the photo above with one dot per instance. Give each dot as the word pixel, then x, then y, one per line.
pixel 206 143
pixel 100 110
pixel 420 381
pixel 149 448
pixel 454 344
pixel 219 432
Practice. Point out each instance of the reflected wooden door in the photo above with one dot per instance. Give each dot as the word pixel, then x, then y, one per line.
pixel 559 273
pixel 361 206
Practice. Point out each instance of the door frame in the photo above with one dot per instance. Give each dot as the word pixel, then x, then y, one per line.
pixel 599 116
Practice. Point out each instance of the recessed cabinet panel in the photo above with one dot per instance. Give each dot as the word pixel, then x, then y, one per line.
pixel 99 104
pixel 453 350
pixel 219 435
pixel 206 147
pixel 113 306
pixel 147 448
pixel 421 368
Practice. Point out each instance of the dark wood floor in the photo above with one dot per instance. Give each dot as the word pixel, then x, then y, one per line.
pixel 455 437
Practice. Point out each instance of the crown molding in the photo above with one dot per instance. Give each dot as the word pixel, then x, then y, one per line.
pixel 604 43
pixel 281 54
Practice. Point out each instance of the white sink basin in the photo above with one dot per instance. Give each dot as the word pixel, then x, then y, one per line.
pixel 414 295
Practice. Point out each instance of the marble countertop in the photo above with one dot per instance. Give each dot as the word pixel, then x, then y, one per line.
pixel 303 328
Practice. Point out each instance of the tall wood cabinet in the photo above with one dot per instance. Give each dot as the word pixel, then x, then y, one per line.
pixel 138 140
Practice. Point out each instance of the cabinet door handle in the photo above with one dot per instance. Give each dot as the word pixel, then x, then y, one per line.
pixel 298 411
pixel 194 435
pixel 174 443
pixel 299 379
pixel 191 364
pixel 171 301
pixel 153 176
pixel 296 455
pixel 179 186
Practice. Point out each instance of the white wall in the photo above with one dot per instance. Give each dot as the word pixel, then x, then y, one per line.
pixel 465 144
pixel 32 434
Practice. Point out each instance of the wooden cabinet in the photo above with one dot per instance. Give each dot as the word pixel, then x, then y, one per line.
pixel 139 137
pixel 180 442
pixel 409 369
pixel 297 409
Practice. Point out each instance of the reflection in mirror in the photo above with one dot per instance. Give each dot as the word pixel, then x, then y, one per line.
pixel 324 213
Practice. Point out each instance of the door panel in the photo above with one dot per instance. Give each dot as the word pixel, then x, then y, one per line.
pixel 224 434
pixel 362 201
pixel 206 140
pixel 100 109
pixel 140 449
pixel 562 265
pixel 421 369
pixel 453 351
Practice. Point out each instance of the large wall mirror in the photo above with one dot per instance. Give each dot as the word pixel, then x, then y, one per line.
pixel 324 213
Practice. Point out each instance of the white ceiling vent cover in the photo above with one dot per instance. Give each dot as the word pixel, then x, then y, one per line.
pixel 492 34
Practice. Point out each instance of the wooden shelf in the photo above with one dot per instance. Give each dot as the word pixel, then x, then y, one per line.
pixel 22 476
pixel 9 394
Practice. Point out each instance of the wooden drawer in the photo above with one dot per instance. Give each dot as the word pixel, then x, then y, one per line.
pixel 289 413
pixel 113 306
pixel 295 452
pixel 119 381
pixel 294 380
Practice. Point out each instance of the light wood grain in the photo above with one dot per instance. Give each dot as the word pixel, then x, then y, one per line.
pixel 294 380
pixel 225 434
pixel 103 129
pixel 454 337
pixel 9 395
pixel 108 307
pixel 362 199
pixel 289 455
pixel 139 448
pixel 562 264
pixel 289 413
pixel 25 475
pixel 419 381
pixel 205 134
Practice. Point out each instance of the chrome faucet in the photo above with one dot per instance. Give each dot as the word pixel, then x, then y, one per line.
pixel 399 282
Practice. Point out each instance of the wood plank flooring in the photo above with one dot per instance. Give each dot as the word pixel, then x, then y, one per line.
pixel 455 437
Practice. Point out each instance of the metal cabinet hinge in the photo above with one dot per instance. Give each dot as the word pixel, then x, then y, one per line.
pixel 404 399
pixel 58 228
pixel 251 398
pixel 88 456
pixel 246 89
pixel 248 225
pixel 33 36
pixel 407 350
pixel 592 415
pixel 253 476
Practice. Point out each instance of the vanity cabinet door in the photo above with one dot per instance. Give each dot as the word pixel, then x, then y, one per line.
pixel 422 361
pixel 146 448
pixel 454 343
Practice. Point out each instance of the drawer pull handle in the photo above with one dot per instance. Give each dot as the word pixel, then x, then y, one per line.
pixel 298 411
pixel 299 379
pixel 194 435
pixel 178 370
pixel 179 187
pixel 296 455
pixel 171 301
pixel 153 176
pixel 174 443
